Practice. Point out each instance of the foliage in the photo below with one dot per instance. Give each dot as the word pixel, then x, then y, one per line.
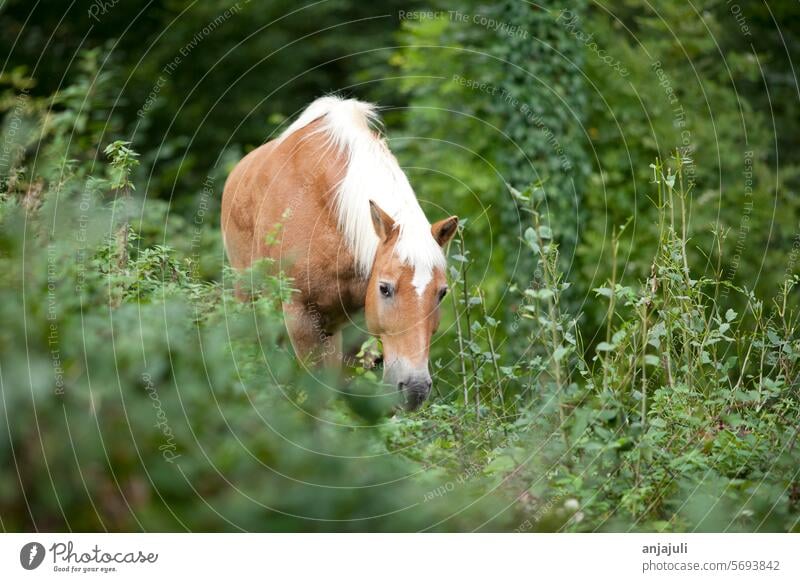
pixel 136 396
pixel 639 375
pixel 618 89
pixel 194 83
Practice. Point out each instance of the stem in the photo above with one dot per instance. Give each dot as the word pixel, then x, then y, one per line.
pixel 611 303
pixel 644 368
pixel 465 292
pixel 661 204
pixel 551 282
pixel 489 336
pixel 122 233
pixel 682 196
pixel 461 357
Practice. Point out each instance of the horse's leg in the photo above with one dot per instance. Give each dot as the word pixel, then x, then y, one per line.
pixel 240 293
pixel 305 339
pixel 310 340
pixel 333 350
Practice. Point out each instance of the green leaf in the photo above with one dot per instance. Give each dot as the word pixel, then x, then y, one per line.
pixel 652 360
pixel 501 464
pixel 773 337
pixel 532 240
pixel 539 293
pixel 545 232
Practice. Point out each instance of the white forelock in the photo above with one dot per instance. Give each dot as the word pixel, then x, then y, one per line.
pixel 372 174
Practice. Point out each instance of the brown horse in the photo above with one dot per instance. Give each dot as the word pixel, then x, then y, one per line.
pixel 350 233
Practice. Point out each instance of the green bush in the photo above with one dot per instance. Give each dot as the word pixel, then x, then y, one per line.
pixel 650 384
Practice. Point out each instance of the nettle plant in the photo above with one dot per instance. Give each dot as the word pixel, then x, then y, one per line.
pixel 681 396
pixel 682 388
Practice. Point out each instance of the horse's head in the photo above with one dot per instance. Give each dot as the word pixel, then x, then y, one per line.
pixel 402 303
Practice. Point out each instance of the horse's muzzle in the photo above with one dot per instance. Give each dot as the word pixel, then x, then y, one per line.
pixel 415 392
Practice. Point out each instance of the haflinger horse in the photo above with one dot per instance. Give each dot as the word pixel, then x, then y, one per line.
pixel 329 203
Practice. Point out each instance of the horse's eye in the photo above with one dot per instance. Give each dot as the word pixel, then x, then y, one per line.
pixel 442 293
pixel 386 289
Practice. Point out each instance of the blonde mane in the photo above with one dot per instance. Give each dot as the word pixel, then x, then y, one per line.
pixel 372 174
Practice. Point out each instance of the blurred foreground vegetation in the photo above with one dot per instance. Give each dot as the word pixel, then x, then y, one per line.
pixel 620 345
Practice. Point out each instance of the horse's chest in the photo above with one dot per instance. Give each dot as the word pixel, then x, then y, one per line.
pixel 336 298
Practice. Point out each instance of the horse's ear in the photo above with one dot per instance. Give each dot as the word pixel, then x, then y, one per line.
pixel 444 230
pixel 382 222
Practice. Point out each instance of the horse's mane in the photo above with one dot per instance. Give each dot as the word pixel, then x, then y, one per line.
pixel 372 174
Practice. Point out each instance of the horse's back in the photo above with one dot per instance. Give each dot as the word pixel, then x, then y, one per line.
pixel 242 196
pixel 279 186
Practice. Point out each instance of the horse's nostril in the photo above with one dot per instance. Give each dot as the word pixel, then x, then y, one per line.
pixel 416 387
pixel 413 399
pixel 415 392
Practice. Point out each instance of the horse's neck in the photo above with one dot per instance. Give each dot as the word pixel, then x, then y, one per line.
pixel 330 277
pixel 337 296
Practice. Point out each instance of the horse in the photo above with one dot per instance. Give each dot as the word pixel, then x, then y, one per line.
pixel 328 202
